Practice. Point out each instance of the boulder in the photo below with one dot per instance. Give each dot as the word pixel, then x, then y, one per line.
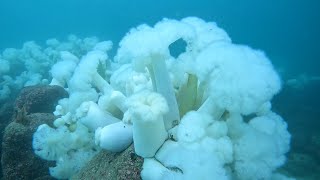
pixel 33 107
pixel 108 165
pixel 18 160
pixel 39 98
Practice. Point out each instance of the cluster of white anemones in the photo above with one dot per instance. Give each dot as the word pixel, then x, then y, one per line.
pixel 30 64
pixel 204 114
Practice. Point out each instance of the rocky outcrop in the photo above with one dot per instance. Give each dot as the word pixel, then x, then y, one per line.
pixel 116 166
pixel 40 98
pixel 18 160
pixel 6 112
pixel 33 107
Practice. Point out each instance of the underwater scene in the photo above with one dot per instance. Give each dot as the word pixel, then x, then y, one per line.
pixel 160 90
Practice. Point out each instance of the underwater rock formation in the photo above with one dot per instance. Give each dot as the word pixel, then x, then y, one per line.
pixel 107 165
pixel 18 160
pixel 41 98
pixel 6 112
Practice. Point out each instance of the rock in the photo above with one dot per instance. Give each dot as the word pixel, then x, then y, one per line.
pixel 18 159
pixel 115 166
pixel 33 107
pixel 6 112
pixel 39 99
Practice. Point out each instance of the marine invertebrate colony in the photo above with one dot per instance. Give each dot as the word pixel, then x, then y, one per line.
pixel 30 64
pixel 188 116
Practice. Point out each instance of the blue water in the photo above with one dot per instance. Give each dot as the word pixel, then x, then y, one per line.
pixel 287 30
